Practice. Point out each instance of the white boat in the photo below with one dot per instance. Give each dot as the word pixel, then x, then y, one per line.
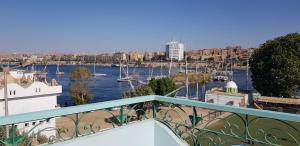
pixel 156 77
pixel 221 78
pixel 122 79
pixel 95 74
pixel 98 74
pixel 58 72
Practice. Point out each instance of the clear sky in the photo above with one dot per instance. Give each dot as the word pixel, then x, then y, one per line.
pixel 124 25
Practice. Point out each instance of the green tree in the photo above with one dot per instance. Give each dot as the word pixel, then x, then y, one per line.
pixel 79 92
pixel 139 91
pixel 162 86
pixel 275 66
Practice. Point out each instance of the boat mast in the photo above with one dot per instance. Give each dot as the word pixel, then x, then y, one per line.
pixel 247 71
pixel 45 67
pixel 187 80
pixel 160 69
pixel 127 69
pixel 231 64
pixel 5 71
pixel 95 65
pixel 149 71
pixel 32 67
pixel 120 70
pixel 197 82
pixel 152 70
pixel 57 67
pixel 171 63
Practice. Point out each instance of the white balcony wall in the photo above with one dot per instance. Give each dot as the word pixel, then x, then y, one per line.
pixel 141 133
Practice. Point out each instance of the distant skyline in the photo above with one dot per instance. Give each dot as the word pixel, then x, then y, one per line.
pixel 70 26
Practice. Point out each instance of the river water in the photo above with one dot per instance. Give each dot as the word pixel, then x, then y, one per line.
pixel 104 88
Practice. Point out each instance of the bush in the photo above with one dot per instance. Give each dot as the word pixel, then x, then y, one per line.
pixel 139 91
pixel 162 86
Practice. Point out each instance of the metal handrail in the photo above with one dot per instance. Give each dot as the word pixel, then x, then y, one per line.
pixel 19 118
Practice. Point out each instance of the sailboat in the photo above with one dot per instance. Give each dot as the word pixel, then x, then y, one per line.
pixel 42 72
pixel 58 72
pixel 180 69
pixel 122 79
pixel 95 73
pixel 127 76
pixel 150 73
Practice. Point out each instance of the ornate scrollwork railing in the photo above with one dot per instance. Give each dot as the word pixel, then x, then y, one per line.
pixel 198 123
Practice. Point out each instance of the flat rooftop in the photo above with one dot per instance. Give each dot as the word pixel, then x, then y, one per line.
pixel 221 91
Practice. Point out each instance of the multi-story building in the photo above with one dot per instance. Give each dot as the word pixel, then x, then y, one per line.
pixel 105 57
pixel 119 56
pixel 148 56
pixel 220 54
pixel 174 51
pixel 135 56
pixel 159 56
pixel 194 54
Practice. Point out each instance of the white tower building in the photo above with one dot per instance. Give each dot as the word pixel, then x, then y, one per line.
pixel 174 51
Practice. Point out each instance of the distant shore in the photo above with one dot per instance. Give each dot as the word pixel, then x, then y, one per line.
pixel 191 65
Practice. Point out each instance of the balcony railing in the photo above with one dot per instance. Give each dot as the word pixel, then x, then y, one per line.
pixel 196 122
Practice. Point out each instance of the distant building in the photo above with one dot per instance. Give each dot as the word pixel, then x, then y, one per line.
pixel 135 56
pixel 174 51
pixel 119 56
pixel 227 96
pixel 148 56
pixel 105 57
pixel 220 54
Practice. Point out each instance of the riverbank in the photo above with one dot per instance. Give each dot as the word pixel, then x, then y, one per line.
pixel 165 64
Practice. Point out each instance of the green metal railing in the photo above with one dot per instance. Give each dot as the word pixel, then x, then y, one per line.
pixel 196 122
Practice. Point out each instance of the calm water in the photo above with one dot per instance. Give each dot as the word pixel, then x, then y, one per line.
pixel 107 88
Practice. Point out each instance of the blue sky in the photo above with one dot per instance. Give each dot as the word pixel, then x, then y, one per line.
pixel 123 25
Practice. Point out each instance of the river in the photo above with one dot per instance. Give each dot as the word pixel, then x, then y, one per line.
pixel 104 88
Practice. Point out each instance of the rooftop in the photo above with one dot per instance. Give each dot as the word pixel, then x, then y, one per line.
pixel 292 101
pixel 25 78
pixel 220 91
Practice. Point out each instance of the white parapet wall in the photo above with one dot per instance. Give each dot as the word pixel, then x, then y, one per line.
pixel 226 99
pixel 140 133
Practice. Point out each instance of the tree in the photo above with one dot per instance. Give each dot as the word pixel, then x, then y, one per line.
pixel 139 91
pixel 162 86
pixel 79 92
pixel 275 66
